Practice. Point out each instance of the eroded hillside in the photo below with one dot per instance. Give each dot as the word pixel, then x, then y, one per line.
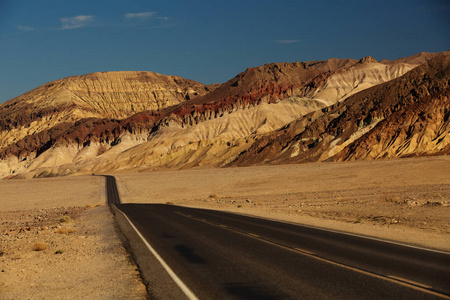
pixel 408 116
pixel 276 113
pixel 112 95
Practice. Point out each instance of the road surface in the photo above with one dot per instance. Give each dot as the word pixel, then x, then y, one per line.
pixel 218 255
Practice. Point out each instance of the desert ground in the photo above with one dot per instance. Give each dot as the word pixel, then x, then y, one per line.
pixel 58 241
pixel 404 200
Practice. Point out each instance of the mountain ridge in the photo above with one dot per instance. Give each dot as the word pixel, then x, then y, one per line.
pixel 329 128
pixel 191 123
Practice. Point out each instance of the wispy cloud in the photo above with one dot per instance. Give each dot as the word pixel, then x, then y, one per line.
pixel 140 15
pixel 287 41
pixel 25 28
pixel 132 19
pixel 76 22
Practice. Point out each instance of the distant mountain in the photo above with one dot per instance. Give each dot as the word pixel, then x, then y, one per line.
pixel 276 113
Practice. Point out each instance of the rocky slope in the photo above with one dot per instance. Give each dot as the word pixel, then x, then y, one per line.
pixel 118 120
pixel 99 95
pixel 408 116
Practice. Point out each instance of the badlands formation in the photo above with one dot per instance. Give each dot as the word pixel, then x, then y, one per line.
pixel 333 110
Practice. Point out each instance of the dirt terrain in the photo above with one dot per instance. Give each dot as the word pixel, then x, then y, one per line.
pixel 403 200
pixel 65 249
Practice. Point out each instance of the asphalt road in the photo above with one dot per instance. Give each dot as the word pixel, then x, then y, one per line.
pixel 224 256
pixel 112 193
pixel 218 255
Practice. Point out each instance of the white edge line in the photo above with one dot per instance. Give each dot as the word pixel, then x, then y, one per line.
pixel 171 273
pixel 329 230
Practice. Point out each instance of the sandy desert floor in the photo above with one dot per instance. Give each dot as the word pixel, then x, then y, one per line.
pixel 404 200
pixel 58 241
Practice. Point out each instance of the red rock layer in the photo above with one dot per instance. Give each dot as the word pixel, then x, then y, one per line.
pixel 408 106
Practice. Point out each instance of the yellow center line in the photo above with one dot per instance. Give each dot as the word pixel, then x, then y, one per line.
pixel 254 235
pixel 409 281
pixel 305 251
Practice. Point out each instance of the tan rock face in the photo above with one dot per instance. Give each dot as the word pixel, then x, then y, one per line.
pixel 276 113
pixel 99 95
pixel 122 94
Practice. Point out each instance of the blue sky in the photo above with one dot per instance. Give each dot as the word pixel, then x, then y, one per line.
pixel 207 41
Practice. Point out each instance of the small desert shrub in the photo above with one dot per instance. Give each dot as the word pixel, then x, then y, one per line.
pixel 394 199
pixel 39 246
pixel 65 230
pixel 59 251
pixel 239 206
pixel 213 196
pixel 65 219
pixel 94 205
